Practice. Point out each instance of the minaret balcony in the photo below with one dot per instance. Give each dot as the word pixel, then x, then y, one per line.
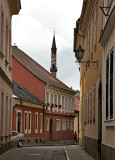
pixel 53 69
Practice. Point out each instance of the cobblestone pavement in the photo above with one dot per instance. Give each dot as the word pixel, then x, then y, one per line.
pixel 35 153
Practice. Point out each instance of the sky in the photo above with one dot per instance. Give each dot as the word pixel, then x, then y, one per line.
pixel 32 32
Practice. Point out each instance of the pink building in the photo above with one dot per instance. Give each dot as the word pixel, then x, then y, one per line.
pixel 58 116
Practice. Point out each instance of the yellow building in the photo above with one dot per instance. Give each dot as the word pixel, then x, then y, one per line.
pixel 87 34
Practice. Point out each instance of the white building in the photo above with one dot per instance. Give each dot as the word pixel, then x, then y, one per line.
pixel 107 40
pixel 8 8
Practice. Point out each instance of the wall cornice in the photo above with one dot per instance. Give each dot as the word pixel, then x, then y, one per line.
pixel 15 6
pixel 4 76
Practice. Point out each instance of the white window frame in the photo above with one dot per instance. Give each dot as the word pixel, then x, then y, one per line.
pixel 36 122
pixel 63 124
pixel 48 97
pixel 41 122
pixel 71 125
pixel 68 123
pixel 47 124
pixel 25 122
pixel 29 122
pixel 58 125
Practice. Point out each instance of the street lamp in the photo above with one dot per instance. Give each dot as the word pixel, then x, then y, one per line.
pixel 79 53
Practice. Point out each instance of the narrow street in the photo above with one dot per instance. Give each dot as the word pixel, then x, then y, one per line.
pixel 46 153
pixel 35 153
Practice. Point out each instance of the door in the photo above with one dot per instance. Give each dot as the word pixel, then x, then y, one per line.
pixel 51 129
pixel 19 122
pixel 99 120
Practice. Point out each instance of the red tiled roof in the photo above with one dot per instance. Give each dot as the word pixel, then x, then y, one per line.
pixel 37 69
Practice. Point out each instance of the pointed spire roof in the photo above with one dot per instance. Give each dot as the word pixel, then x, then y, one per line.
pixel 53 42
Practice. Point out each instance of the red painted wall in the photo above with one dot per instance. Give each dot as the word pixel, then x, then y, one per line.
pixel 33 111
pixel 24 77
pixel 58 135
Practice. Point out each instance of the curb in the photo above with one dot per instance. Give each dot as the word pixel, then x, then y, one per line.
pixel 67 157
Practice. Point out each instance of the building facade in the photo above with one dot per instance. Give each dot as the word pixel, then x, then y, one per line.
pixel 107 40
pixel 87 34
pixel 7 10
pixel 27 115
pixel 76 112
pixel 59 98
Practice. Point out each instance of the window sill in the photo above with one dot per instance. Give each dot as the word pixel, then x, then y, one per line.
pixel 36 131
pixel 110 122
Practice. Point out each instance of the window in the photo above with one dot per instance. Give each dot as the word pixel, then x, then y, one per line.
pixel 66 103
pixel 2 29
pixel 58 124
pixel 63 102
pixel 91 106
pixel 71 125
pixel 10 119
pixel 109 87
pixel 6 129
pixel 25 121
pixel 88 108
pixel 63 125
pixel 6 42
pixel 68 124
pixel 59 100
pixel 70 104
pixel 47 97
pixel 41 123
pixel 2 112
pixel 85 109
pixel 55 98
pixel 51 98
pixel 29 122
pixel 94 90
pixel 95 29
pixel 47 124
pixel 36 122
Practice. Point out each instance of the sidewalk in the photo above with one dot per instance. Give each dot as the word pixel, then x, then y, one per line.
pixel 73 152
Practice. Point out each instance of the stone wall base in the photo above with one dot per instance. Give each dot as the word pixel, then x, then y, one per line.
pixel 6 146
pixel 91 146
pixel 108 153
pixel 34 140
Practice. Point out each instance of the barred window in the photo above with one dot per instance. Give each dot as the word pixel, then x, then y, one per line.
pixel 91 106
pixel 63 125
pixel 95 29
pixel 94 96
pixel 88 108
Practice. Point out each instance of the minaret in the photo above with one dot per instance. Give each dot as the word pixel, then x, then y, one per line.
pixel 53 67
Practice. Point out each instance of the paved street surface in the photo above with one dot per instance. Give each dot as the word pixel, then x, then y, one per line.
pixel 76 153
pixel 35 153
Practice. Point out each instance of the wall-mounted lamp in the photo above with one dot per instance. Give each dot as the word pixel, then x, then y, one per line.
pixel 79 53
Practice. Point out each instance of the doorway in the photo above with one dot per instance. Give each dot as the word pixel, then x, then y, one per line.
pixel 19 124
pixel 51 129
pixel 99 120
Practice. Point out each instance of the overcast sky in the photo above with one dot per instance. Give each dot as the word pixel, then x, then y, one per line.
pixel 32 31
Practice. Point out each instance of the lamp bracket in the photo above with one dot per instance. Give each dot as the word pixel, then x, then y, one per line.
pixel 102 9
pixel 89 64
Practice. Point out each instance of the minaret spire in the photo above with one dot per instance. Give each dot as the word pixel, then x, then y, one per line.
pixel 53 67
